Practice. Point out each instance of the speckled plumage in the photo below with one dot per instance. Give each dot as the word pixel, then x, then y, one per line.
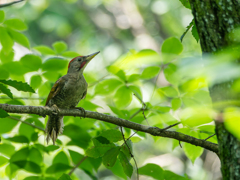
pixel 66 93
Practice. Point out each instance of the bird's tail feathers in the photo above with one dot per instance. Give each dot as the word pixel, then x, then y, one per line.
pixel 54 128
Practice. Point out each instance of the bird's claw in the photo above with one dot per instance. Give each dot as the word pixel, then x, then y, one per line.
pixel 83 110
pixel 55 110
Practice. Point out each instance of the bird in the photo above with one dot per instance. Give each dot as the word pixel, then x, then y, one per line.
pixel 66 93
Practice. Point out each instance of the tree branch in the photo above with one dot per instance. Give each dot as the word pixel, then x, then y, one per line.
pixel 155 131
pixel 78 164
pixel 9 4
pixel 24 122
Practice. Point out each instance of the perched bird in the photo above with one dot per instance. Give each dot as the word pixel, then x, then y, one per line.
pixel 66 94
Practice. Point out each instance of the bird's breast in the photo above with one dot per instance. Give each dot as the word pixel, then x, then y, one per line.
pixel 71 93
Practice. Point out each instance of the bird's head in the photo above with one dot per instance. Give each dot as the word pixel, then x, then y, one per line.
pixel 78 64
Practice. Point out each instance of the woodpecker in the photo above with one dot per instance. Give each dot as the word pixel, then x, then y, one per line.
pixel 66 94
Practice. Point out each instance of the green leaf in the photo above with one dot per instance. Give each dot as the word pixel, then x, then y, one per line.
pixel 196 116
pixel 185 3
pixel 60 46
pixel 70 54
pixel 51 148
pixel 6 57
pixel 35 81
pixel 231 120
pixel 61 157
pixel 51 75
pixel 4 73
pixel 31 61
pixel 19 139
pixel 7 124
pixel 99 149
pixel 113 135
pixel 19 155
pixel 7 149
pixel 107 86
pixel 19 38
pixel 65 177
pixel 136 90
pixel 192 151
pixel 35 156
pixel 5 90
pixel 88 164
pixel 127 167
pixel 117 169
pixel 169 91
pixel 20 86
pixel 11 170
pixel 2 16
pixel 33 178
pixel 44 89
pixel 54 64
pixel 125 149
pixel 110 157
pixel 195 32
pixel 176 103
pixel 123 97
pixel 45 50
pixel 168 175
pixel 74 132
pixel 6 40
pixel 3 160
pixel 16 24
pixel 170 74
pixel 15 68
pixel 187 29
pixel 133 78
pixel 28 166
pixel 58 167
pixel 172 45
pixel 26 130
pixel 152 170
pixel 121 75
pixel 150 72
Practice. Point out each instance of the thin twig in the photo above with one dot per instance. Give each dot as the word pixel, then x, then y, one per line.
pixel 9 4
pixel 78 164
pixel 138 111
pixel 209 137
pixel 99 80
pixel 143 108
pixel 24 122
pixel 164 129
pixel 131 135
pixel 125 142
pixel 25 98
pixel 180 144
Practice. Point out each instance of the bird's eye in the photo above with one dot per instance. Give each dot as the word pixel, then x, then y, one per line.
pixel 80 59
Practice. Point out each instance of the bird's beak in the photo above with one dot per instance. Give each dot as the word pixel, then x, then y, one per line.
pixel 91 56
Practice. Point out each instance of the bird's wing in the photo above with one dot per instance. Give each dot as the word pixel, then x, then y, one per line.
pixel 84 94
pixel 56 88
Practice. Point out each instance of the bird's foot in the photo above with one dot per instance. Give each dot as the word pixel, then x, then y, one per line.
pixel 83 110
pixel 55 109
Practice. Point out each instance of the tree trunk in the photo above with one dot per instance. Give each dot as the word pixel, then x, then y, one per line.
pixel 215 19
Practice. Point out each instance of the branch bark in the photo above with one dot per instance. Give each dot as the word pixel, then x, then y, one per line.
pixel 9 4
pixel 155 131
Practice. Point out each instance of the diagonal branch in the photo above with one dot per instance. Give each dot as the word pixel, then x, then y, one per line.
pixel 76 166
pixel 24 122
pixel 155 131
pixel 9 4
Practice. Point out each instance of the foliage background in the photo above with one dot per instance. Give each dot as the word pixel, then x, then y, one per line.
pixel 133 59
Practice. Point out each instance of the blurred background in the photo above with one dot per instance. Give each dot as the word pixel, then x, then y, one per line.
pixel 115 27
